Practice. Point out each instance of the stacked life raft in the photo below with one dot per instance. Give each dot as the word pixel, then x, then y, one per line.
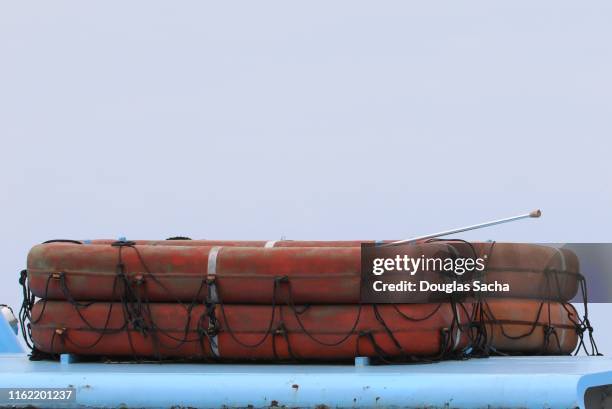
pixel 287 300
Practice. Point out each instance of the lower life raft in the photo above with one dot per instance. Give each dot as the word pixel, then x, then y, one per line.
pixel 335 332
pixel 306 275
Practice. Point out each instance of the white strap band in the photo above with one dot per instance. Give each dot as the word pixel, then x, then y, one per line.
pixel 213 297
pixel 212 260
pixel 214 345
pixel 562 257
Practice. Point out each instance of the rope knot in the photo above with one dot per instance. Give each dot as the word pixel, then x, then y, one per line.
pixel 213 327
pixel 548 330
pixel 120 268
pixel 580 329
pixel 138 279
pixel 123 243
pixel 23 276
pixel 281 279
pixel 138 323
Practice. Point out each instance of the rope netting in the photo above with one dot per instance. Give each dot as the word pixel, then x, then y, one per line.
pixel 130 294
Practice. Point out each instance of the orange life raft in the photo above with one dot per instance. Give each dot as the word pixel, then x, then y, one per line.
pixel 322 332
pixel 312 275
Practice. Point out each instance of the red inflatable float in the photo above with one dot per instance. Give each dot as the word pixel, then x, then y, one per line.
pixel 321 275
pixel 311 333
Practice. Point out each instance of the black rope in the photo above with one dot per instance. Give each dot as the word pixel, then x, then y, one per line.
pixel 62 241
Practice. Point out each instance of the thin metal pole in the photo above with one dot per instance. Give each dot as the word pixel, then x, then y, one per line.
pixel 535 213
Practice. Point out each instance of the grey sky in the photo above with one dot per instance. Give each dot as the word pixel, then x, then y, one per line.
pixel 310 120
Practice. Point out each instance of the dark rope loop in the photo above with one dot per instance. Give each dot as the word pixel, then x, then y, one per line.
pixel 62 241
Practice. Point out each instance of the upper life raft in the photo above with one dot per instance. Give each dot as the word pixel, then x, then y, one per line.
pixel 181 241
pixel 265 274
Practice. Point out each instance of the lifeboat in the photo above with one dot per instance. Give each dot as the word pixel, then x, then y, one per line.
pixel 319 332
pixel 260 275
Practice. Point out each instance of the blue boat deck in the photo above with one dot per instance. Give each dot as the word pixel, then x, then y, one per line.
pixel 504 382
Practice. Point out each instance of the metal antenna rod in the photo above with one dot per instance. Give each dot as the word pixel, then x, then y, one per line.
pixel 535 213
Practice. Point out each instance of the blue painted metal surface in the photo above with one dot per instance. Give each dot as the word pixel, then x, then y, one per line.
pixel 362 361
pixel 8 341
pixel 513 382
pixel 67 359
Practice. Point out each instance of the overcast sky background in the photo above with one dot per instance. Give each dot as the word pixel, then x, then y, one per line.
pixel 310 120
